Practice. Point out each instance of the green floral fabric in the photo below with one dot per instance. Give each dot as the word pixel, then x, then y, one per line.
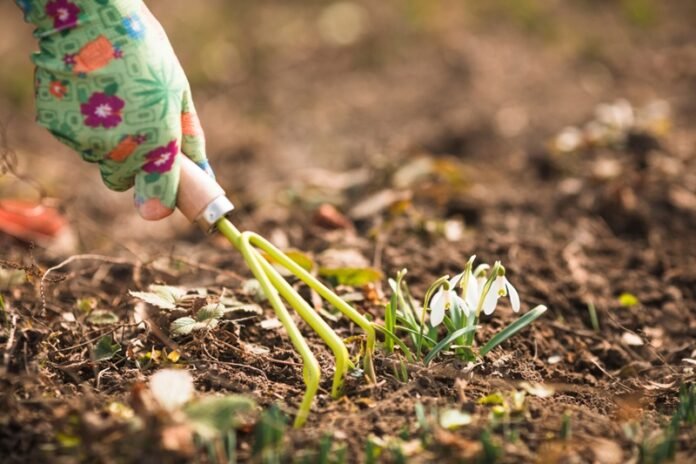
pixel 109 85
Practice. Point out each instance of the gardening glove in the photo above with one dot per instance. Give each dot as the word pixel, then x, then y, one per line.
pixel 109 85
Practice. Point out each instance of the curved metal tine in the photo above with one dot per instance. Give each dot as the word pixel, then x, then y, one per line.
pixel 310 316
pixel 323 291
pixel 311 370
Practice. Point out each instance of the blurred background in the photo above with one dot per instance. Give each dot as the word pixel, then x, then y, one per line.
pixel 287 90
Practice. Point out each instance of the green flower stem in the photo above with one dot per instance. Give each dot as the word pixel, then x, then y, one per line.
pixel 441 282
pixel 486 288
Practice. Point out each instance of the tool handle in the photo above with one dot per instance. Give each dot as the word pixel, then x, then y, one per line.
pixel 200 197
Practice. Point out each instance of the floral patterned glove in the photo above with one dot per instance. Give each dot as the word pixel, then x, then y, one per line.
pixel 109 85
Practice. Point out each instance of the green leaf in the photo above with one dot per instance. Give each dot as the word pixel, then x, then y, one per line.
pixel 82 95
pixel 513 328
pixel 102 317
pixel 186 325
pixel 353 276
pixel 162 296
pixel 211 311
pixel 628 300
pixel 269 436
pixel 493 398
pixel 111 89
pixel 213 416
pixel 300 258
pixel 395 339
pixel 106 348
pixel 446 342
pixel 121 30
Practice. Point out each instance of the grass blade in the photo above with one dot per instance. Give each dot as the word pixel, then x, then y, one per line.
pixel 445 342
pixel 390 322
pixel 397 340
pixel 513 328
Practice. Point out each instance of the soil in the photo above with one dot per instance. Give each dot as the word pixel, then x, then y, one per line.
pixel 314 124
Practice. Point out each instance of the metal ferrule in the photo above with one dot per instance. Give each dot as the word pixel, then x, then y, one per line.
pixel 216 209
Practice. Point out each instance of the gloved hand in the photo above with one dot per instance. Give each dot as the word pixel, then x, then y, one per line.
pixel 109 85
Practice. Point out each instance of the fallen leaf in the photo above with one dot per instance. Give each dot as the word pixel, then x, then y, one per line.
pixel 329 217
pixel 354 277
pixel 628 300
pixel 102 317
pixel 493 398
pixel 452 419
pixel 538 389
pixel 270 324
pixel 106 348
pixel 377 202
pixel 298 257
pixel 631 339
pixel 172 388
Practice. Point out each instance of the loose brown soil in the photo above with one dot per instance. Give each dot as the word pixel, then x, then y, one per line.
pixel 570 231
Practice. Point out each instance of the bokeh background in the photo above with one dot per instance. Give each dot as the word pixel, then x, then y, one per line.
pixel 284 87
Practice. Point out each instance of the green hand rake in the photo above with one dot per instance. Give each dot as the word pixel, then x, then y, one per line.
pixel 203 201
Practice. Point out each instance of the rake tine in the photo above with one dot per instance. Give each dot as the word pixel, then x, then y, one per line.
pixel 326 293
pixel 311 370
pixel 309 315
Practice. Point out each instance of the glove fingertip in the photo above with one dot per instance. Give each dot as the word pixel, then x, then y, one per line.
pixel 153 209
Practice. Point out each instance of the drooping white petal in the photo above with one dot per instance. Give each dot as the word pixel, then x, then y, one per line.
pixel 513 295
pixel 456 303
pixel 437 307
pixel 491 300
pixel 463 306
pixel 473 293
pixel 454 281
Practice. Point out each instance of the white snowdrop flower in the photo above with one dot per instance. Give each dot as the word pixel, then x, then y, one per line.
pixel 618 115
pixel 172 388
pixel 500 287
pixel 569 140
pixel 445 300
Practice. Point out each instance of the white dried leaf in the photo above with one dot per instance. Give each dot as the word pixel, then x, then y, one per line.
pixel 631 339
pixel 451 419
pixel 270 324
pixel 172 388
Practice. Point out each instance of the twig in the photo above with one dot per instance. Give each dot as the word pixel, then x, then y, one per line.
pixel 206 267
pixel 86 257
pixel 10 340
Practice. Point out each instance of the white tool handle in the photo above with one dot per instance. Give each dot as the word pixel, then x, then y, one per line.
pixel 200 197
